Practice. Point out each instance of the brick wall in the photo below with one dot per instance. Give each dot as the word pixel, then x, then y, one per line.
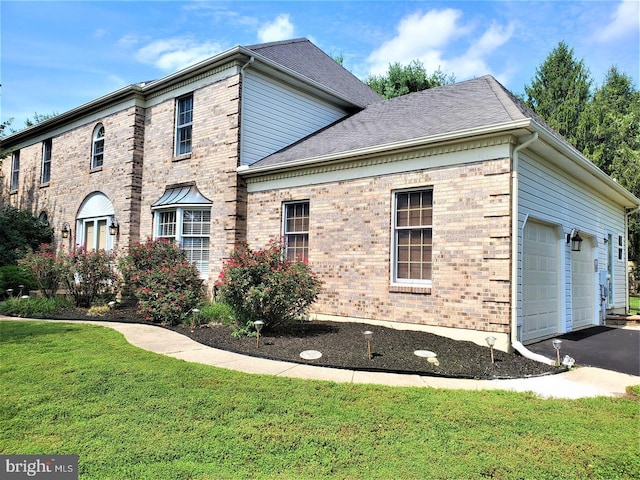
pixel 72 178
pixel 350 238
pixel 212 163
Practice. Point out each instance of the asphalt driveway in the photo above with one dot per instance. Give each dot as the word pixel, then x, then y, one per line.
pixel 616 349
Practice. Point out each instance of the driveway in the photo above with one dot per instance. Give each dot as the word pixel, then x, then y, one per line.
pixel 611 348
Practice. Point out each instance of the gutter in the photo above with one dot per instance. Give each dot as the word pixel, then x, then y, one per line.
pixel 515 343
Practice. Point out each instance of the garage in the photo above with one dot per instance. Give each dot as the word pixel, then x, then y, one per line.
pixel 540 281
pixel 583 279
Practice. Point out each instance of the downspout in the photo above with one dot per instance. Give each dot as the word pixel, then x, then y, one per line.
pixel 626 255
pixel 515 342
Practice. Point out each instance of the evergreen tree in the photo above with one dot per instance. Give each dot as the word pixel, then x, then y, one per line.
pixel 560 91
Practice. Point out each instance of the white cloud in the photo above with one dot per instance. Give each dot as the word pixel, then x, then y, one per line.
pixel 176 53
pixel 435 37
pixel 624 21
pixel 280 29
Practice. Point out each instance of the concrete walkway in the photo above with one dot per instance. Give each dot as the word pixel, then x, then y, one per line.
pixel 578 383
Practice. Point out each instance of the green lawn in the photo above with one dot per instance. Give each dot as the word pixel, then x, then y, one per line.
pixel 634 304
pixel 131 414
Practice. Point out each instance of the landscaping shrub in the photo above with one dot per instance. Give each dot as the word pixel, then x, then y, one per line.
pixel 46 268
pixel 167 286
pixel 264 285
pixel 89 275
pixel 36 307
pixel 20 232
pixel 12 276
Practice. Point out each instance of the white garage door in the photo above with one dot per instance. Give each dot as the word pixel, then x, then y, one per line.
pixel 583 279
pixel 540 281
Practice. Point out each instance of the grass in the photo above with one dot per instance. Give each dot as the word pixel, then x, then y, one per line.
pixel 634 304
pixel 131 414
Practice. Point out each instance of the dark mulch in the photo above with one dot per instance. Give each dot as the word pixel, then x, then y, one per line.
pixel 343 345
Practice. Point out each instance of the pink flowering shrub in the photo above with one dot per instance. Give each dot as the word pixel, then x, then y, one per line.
pixel 166 285
pixel 46 267
pixel 90 275
pixel 263 285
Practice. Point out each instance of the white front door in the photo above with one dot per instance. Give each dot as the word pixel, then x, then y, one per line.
pixel 583 278
pixel 540 281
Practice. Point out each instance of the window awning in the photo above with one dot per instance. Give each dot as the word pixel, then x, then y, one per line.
pixel 180 195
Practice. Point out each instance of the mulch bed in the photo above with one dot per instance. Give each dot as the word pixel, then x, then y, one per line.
pixel 343 345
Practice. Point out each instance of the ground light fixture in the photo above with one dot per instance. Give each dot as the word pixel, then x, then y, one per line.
pixel 491 341
pixel 557 344
pixel 258 324
pixel 368 335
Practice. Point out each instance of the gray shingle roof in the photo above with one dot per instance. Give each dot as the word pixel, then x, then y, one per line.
pixel 467 105
pixel 304 57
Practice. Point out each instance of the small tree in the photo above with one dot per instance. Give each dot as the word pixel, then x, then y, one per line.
pixel 167 286
pixel 264 285
pixel 20 232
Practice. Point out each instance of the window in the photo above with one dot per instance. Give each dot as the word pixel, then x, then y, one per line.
pixel 45 176
pixel 184 122
pixel 620 248
pixel 413 241
pixel 296 230
pixel 15 171
pixel 190 228
pixel 97 149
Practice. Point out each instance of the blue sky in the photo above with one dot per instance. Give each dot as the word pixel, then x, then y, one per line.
pixel 58 55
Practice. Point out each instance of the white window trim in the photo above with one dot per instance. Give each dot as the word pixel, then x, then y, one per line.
pixel 15 172
pixel 178 237
pixel 81 225
pixel 94 140
pixel 285 233
pixel 395 282
pixel 180 126
pixel 47 145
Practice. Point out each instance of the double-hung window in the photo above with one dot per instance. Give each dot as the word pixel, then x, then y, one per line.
pixel 15 171
pixel 184 124
pixel 296 230
pixel 413 237
pixel 45 176
pixel 190 228
pixel 97 149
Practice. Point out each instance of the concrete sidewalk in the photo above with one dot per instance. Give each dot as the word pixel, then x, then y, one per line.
pixel 578 383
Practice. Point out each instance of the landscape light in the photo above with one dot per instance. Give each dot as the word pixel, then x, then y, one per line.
pixel 368 335
pixel 258 324
pixel 491 341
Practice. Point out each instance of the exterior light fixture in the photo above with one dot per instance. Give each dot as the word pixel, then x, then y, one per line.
pixel 114 228
pixel 491 341
pixel 258 324
pixel 575 240
pixel 557 344
pixel 368 335
pixel 66 230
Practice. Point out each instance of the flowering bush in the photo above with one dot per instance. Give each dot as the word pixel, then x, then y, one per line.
pixel 166 285
pixel 89 275
pixel 46 268
pixel 263 285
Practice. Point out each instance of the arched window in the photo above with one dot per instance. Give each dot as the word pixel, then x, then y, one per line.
pixel 97 150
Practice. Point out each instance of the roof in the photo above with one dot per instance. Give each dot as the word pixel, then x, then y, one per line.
pixel 456 107
pixel 303 57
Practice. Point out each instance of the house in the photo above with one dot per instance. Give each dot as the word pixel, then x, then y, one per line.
pixel 454 210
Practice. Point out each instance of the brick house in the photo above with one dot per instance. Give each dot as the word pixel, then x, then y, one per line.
pixel 454 210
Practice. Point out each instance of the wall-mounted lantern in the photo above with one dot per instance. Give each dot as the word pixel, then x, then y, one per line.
pixel 114 227
pixel 66 230
pixel 575 239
